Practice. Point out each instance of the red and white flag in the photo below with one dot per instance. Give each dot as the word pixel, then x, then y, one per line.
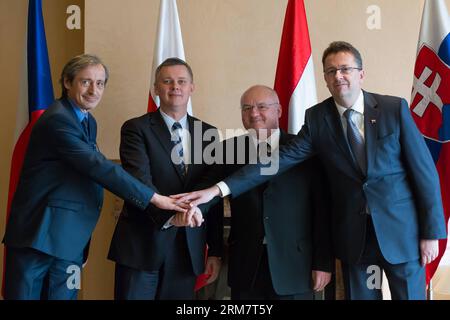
pixel 168 44
pixel 294 81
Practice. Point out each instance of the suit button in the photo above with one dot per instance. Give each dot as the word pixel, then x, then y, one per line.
pixel 266 218
pixel 99 208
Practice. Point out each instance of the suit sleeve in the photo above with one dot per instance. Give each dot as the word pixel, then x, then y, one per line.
pixel 424 177
pixel 135 160
pixel 294 152
pixel 83 157
pixel 215 173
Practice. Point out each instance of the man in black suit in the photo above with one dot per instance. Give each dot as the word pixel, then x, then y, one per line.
pixel 157 256
pixel 279 243
pixel 60 192
pixel 387 210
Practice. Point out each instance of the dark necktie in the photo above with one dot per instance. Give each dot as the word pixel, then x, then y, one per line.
pixel 264 151
pixel 356 141
pixel 178 148
pixel 85 125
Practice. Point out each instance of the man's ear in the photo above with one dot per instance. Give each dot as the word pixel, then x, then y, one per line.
pixel 67 84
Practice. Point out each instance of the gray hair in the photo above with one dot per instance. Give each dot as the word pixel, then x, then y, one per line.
pixel 75 65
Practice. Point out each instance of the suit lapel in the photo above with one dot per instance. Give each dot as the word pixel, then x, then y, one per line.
pixel 371 114
pixel 91 122
pixel 161 132
pixel 193 148
pixel 334 123
pixel 284 138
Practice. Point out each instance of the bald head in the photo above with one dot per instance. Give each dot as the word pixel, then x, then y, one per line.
pixel 260 90
pixel 260 108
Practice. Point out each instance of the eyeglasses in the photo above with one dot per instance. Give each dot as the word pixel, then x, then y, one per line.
pixel 260 106
pixel 343 70
pixel 86 83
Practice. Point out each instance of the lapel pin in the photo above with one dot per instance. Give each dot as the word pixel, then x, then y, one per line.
pixel 373 121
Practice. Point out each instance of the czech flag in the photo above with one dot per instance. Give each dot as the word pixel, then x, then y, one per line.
pixel 36 92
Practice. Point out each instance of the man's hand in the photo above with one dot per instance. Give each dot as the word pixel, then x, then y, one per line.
pixel 213 265
pixel 320 279
pixel 196 198
pixel 429 250
pixel 196 217
pixel 192 218
pixel 167 203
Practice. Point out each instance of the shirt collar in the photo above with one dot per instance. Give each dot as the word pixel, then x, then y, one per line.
pixel 170 121
pixel 358 106
pixel 81 114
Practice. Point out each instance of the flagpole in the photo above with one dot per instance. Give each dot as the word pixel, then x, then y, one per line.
pixel 430 290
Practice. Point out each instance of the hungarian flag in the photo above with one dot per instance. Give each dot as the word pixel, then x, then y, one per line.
pixel 430 100
pixel 168 44
pixel 294 81
pixel 36 92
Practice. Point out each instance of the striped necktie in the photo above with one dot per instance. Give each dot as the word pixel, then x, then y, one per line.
pixel 178 148
pixel 356 141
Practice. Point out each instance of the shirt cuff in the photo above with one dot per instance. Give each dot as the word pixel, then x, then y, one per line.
pixel 224 190
pixel 168 224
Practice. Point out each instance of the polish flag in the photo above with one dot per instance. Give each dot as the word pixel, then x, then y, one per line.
pixel 168 44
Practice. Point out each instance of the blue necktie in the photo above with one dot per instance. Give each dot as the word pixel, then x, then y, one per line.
pixel 178 146
pixel 85 125
pixel 356 141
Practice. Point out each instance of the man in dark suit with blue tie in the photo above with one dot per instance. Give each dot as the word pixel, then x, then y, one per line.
pixel 60 192
pixel 160 258
pixel 387 209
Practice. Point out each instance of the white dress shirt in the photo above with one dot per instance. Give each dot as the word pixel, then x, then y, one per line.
pixel 185 136
pixel 357 117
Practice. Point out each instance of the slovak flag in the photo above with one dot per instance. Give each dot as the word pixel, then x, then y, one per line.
pixel 430 100
pixel 36 91
pixel 294 80
pixel 168 44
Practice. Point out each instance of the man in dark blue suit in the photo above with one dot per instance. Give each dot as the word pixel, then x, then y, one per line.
pixel 60 191
pixel 387 210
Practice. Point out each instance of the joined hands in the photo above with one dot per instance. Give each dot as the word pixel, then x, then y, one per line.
pixel 185 205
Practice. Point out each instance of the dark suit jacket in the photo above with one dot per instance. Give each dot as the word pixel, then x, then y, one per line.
pixel 292 212
pixel 400 187
pixel 138 241
pixel 59 195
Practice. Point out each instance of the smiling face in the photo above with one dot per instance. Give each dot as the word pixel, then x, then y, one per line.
pixel 344 88
pixel 86 88
pixel 174 86
pixel 260 109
